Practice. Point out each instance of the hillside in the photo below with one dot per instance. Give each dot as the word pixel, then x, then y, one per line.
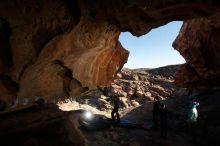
pixel 136 86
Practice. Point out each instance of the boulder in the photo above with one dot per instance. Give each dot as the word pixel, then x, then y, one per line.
pixel 147 94
pixel 103 103
pixel 123 101
pixel 161 91
pixel 130 91
pixel 134 103
pixel 149 98
pixel 135 77
pixel 103 97
pixel 119 76
pixel 140 94
pixel 122 93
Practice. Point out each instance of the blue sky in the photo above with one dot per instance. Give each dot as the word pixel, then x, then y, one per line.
pixel 153 49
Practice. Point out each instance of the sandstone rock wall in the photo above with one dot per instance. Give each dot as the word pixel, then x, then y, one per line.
pixel 54 55
pixel 198 43
pixel 57 48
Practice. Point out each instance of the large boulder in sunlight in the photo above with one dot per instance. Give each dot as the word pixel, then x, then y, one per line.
pixel 198 42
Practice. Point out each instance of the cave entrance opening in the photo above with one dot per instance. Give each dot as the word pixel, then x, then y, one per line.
pixel 153 49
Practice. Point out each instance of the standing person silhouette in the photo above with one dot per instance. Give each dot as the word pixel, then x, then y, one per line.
pixel 156 112
pixel 192 120
pixel 163 121
pixel 115 99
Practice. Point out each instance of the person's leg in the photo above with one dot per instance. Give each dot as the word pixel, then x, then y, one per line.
pixel 113 114
pixel 161 129
pixel 118 116
pixel 155 121
pixel 193 128
pixel 165 130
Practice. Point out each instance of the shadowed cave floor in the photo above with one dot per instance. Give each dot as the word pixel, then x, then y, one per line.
pixel 48 125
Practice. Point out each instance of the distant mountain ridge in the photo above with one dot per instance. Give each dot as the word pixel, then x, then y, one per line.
pixel 168 71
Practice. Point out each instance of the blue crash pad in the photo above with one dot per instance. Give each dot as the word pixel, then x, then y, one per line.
pixel 125 123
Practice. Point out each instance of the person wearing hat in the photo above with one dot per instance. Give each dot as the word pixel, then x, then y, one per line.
pixel 192 119
pixel 193 113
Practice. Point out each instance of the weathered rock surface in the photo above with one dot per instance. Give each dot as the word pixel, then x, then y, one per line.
pixel 57 49
pixel 55 55
pixel 151 83
pixel 38 125
pixel 198 43
pixel 83 37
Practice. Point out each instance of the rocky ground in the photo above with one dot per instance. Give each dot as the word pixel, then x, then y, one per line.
pixel 208 130
pixel 136 87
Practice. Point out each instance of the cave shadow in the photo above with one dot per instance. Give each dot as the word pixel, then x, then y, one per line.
pixel 37 125
pixel 5 47
pixel 140 114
